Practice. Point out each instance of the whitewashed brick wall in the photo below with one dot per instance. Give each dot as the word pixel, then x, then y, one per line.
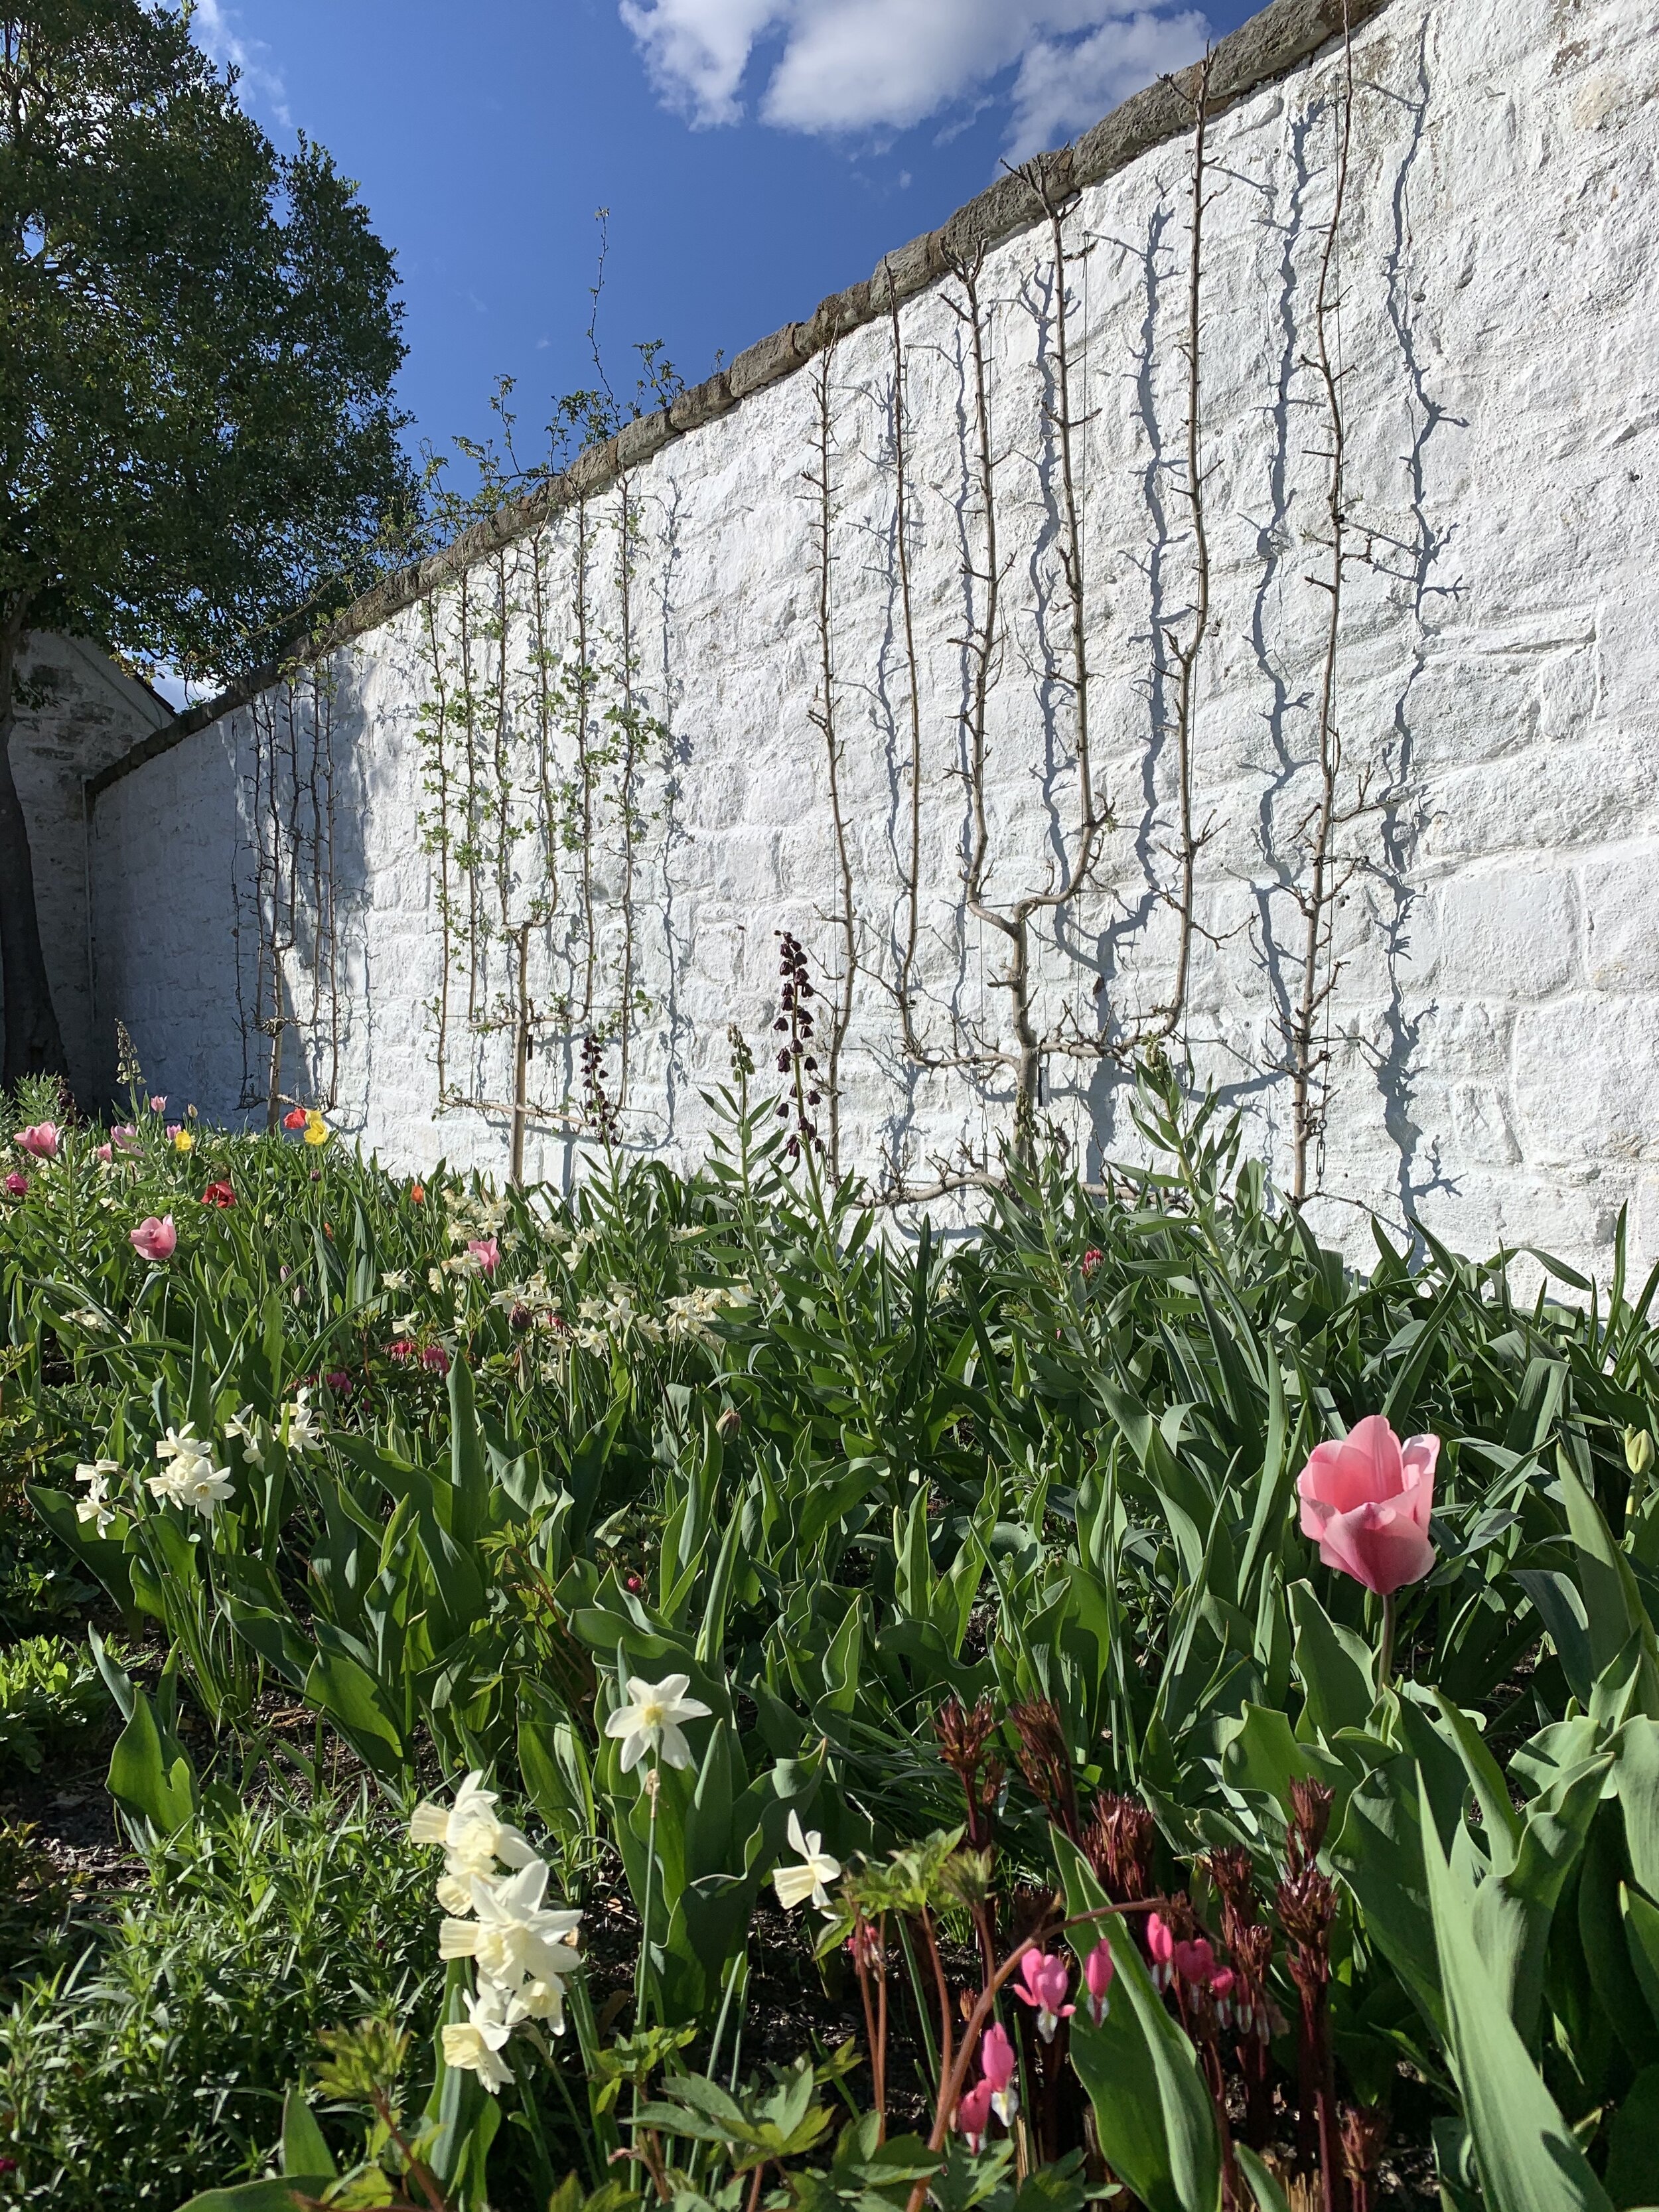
pixel 1494 1022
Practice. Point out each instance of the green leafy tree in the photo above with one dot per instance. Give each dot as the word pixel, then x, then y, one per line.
pixel 195 429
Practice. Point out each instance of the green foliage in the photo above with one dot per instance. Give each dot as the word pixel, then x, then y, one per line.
pixel 157 2064
pixel 47 1690
pixel 731 1427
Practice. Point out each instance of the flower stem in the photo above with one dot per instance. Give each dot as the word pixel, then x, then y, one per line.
pixel 1385 1655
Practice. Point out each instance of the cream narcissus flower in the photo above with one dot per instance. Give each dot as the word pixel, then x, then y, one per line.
pixel 796 1884
pixel 650 1721
pixel 472 1836
pixel 193 1481
pixel 513 1939
pixel 473 2045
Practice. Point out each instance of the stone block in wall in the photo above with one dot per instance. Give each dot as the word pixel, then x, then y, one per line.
pixel 765 362
pixel 637 440
pixel 1514 928
pixel 702 403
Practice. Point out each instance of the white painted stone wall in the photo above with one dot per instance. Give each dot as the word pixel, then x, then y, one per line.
pixel 78 713
pixel 1493 1024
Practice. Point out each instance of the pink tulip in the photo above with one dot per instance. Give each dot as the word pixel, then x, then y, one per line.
pixel 996 2057
pixel 486 1253
pixel 104 1152
pixel 973 2114
pixel 1160 1949
pixel 124 1137
pixel 1366 1501
pixel 16 1185
pixel 1043 1983
pixel 1098 1969
pixel 40 1140
pixel 174 1129
pixel 158 1104
pixel 155 1240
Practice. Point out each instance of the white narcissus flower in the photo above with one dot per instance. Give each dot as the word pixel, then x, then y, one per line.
pixel 796 1884
pixel 513 1939
pixel 193 1481
pixel 95 1505
pixel 240 1425
pixel 650 1721
pixel 473 2045
pixel 181 1443
pixel 301 1431
pixel 539 2000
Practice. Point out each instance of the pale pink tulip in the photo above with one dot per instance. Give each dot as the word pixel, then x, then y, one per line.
pixel 158 1104
pixel 1366 1502
pixel 124 1137
pixel 1098 1969
pixel 104 1152
pixel 487 1254
pixel 153 1239
pixel 40 1140
pixel 973 2114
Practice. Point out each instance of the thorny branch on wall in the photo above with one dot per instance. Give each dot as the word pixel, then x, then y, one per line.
pixel 821 713
pixel 1186 651
pixel 1308 1040
pixel 291 813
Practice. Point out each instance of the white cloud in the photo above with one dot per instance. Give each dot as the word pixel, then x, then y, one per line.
pixel 850 65
pixel 1062 88
pixel 212 26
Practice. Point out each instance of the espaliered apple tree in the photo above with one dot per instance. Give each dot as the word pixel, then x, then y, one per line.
pixel 195 430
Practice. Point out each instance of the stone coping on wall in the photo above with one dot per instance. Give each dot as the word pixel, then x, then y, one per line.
pixel 1285 34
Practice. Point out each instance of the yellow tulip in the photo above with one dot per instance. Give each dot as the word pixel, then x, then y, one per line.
pixel 183 1141
pixel 316 1129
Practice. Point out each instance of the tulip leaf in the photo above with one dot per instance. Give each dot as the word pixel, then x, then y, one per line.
pixel 150 1775
pixel 1641 1921
pixel 1528 2157
pixel 287 2194
pixel 1335 1667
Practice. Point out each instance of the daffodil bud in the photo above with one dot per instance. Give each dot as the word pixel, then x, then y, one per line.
pixel 1638 1458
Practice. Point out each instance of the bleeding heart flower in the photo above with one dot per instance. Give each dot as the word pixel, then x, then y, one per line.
pixel 996 2057
pixel 1195 1961
pixel 1098 1969
pixel 1044 1984
pixel 1160 1949
pixel 435 1358
pixel 973 2114
pixel 1366 1501
pixel 153 1239
pixel 1093 1258
pixel 40 1140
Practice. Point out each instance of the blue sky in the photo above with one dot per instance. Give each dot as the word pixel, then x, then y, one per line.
pixel 754 155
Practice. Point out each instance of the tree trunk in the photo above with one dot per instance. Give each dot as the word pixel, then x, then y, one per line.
pixel 34 1043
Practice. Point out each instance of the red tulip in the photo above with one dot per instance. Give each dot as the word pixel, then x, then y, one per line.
pixel 16 1185
pixel 294 1118
pixel 153 1239
pixel 219 1194
pixel 1366 1501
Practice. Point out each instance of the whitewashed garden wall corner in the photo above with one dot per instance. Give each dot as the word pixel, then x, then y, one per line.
pixel 1349 792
